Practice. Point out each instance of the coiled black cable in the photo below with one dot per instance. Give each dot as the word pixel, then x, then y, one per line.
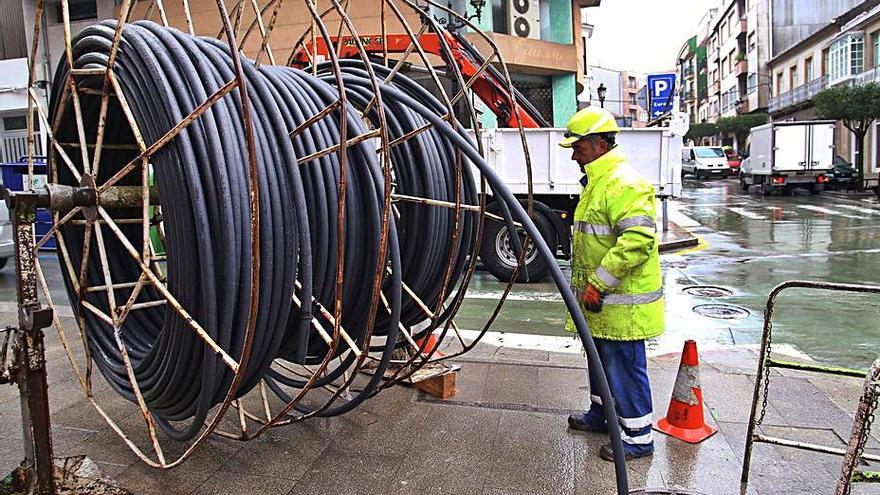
pixel 201 175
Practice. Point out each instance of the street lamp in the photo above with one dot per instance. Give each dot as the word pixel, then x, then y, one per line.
pixel 600 92
pixel 454 24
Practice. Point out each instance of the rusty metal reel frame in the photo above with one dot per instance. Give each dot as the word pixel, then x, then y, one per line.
pixel 96 220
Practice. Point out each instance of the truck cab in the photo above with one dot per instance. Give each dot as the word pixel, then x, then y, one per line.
pixel 704 161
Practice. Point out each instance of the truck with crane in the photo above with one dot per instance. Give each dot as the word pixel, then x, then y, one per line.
pixel 556 187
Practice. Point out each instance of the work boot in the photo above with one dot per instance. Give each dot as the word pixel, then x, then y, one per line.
pixel 587 422
pixel 607 453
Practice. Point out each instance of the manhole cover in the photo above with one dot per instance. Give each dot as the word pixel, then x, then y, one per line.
pixel 707 291
pixel 721 311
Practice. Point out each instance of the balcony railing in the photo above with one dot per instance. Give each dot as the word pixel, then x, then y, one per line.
pixel 741 67
pixel 869 76
pixel 798 95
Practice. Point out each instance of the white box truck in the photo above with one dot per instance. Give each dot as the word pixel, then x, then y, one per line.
pixel 787 155
pixel 654 152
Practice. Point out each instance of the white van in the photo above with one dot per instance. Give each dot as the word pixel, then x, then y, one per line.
pixel 704 161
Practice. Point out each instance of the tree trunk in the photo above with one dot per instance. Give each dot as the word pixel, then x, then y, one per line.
pixel 860 159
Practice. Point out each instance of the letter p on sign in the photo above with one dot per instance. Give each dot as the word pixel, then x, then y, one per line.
pixel 660 87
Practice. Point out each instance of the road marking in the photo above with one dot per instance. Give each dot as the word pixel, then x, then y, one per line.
pixel 828 211
pixel 859 209
pixel 532 297
pixel 748 214
pixel 680 219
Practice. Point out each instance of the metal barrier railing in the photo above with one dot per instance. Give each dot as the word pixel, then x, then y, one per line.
pixel 867 405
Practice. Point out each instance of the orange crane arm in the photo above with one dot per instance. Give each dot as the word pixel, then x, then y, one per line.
pixel 489 85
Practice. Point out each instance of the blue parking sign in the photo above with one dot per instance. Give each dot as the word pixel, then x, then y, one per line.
pixel 661 91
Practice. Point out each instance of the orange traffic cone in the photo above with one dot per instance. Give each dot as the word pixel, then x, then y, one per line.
pixel 428 344
pixel 684 419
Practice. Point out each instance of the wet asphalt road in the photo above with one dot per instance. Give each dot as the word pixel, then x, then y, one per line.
pixel 751 244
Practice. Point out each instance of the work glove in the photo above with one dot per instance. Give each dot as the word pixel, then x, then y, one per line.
pixel 592 299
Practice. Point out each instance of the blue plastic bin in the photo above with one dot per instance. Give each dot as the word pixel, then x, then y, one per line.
pixel 14 174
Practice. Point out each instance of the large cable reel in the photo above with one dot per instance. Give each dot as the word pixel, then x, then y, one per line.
pixel 236 234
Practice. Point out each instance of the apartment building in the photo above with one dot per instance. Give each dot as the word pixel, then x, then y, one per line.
pixel 541 41
pixel 845 50
pixel 621 95
pixel 543 47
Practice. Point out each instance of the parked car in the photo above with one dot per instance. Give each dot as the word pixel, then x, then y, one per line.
pixel 7 247
pixel 704 161
pixel 733 160
pixel 843 175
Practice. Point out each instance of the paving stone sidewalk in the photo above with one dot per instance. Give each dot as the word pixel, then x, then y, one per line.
pixel 503 432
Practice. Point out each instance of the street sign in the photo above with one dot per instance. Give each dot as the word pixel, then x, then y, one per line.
pixel 642 97
pixel 661 92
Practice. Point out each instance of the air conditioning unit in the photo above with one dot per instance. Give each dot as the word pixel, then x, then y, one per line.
pixel 524 18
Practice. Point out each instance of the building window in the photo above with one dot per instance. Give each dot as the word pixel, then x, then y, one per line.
pixel 846 57
pixel 634 115
pixel 857 56
pixel 730 24
pixel 779 88
pixel 809 74
pixel 724 68
pixel 793 77
pixel 731 60
pixel 752 83
pixel 875 43
pixel 824 62
pixel 80 10
pixel 632 82
pixel 751 41
pixel 632 99
pixel 721 32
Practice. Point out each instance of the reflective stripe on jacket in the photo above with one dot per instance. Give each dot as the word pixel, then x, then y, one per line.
pixel 615 248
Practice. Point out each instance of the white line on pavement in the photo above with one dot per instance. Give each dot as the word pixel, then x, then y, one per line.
pixel 748 214
pixel 828 211
pixel 679 218
pixel 858 209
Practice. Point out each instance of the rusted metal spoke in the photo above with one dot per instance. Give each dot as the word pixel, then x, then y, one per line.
pixel 56 225
pixel 86 251
pixel 190 26
pixel 447 204
pixel 42 113
pixel 318 116
pixel 329 318
pixel 80 126
pixel 97 312
pixel 105 268
pixel 124 12
pixel 401 62
pixel 142 405
pixel 162 14
pixel 126 110
pixel 337 147
pixel 175 304
pixel 122 314
pixel 264 36
pixel 171 134
pixel 62 336
pixel 400 326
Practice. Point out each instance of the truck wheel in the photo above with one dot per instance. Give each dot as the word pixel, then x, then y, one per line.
pixel 499 258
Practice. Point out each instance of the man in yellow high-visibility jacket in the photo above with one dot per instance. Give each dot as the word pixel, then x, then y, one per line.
pixel 615 272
